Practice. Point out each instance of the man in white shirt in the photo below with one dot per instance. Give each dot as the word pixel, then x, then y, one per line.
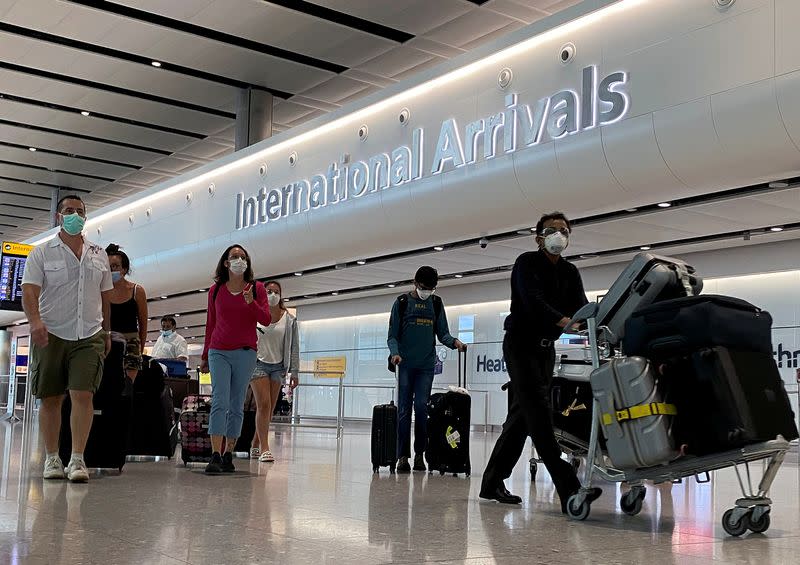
pixel 170 344
pixel 65 295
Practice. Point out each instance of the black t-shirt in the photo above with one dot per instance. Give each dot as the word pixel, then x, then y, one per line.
pixel 542 293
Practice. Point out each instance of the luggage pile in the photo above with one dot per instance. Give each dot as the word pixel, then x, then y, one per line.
pixel 690 386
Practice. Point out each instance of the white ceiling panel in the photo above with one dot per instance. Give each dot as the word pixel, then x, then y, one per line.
pixel 59 179
pixel 59 162
pixel 398 61
pixel 470 26
pixel 517 9
pixel 412 16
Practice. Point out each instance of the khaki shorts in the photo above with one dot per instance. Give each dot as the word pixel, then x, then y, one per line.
pixel 67 365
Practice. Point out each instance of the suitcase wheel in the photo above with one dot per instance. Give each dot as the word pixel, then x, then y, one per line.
pixel 374 469
pixel 455 474
pixel 533 468
pixel 441 473
pixel 391 469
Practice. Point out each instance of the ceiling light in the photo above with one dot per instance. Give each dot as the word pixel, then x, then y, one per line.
pixel 334 293
pixel 665 205
pixel 201 290
pixel 164 297
pixel 779 184
pixel 390 285
pixel 631 209
pixel 31 149
pixel 177 315
pixel 459 276
pixel 438 248
pixel 645 248
pixel 523 232
pixel 186 327
pixel 776 229
pixel 85 113
pixel 591 255
pixel 155 63
pixel 298 274
pixel 361 262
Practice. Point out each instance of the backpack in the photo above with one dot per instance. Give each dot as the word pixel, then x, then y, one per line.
pixel 402 306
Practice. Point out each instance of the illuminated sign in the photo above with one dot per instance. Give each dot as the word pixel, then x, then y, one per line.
pixel 520 125
pixel 12 266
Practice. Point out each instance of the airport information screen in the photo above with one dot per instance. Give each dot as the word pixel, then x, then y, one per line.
pixel 12 265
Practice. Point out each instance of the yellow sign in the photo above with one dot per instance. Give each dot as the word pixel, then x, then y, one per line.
pixel 21 249
pixel 205 378
pixel 330 367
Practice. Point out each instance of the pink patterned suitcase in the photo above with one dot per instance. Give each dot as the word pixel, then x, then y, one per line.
pixel 195 441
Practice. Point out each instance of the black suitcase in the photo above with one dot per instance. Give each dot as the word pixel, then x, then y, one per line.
pixel 449 428
pixel 181 388
pixel 154 429
pixel 681 326
pixel 248 432
pixel 572 403
pixel 727 399
pixel 384 437
pixel 106 447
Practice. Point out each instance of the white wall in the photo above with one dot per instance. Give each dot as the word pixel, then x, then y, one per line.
pixel 478 310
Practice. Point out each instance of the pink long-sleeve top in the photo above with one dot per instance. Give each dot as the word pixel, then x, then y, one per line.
pixel 231 322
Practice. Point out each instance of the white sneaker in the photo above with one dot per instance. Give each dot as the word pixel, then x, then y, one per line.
pixel 254 452
pixel 77 471
pixel 53 468
pixel 267 457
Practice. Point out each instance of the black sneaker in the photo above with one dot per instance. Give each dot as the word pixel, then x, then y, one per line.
pixel 403 466
pixel 227 463
pixel 419 463
pixel 215 465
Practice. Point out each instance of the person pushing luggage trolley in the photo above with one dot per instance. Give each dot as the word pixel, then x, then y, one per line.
pixel 546 290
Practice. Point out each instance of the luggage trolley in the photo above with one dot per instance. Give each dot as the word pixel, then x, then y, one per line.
pixel 605 323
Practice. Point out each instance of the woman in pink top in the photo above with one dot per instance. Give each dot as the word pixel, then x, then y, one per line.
pixel 236 302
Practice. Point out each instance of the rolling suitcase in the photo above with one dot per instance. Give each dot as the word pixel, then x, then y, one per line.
pixel 636 421
pixel 728 399
pixel 384 437
pixel 647 279
pixel 245 440
pixel 106 447
pixel 181 388
pixel 449 428
pixel 572 411
pixel 681 326
pixel 195 441
pixel 154 429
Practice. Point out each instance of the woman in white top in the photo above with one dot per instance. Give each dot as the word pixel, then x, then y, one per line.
pixel 278 355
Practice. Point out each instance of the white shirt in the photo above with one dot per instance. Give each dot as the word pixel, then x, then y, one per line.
pixel 270 343
pixel 70 303
pixel 171 347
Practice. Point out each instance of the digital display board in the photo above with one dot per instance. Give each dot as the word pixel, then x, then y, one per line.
pixel 12 266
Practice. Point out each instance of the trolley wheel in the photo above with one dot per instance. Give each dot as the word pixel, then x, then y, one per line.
pixel 761 525
pixel 578 512
pixel 631 502
pixel 576 464
pixel 734 529
pixel 533 467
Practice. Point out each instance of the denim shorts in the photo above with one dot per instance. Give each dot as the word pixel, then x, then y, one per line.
pixel 274 371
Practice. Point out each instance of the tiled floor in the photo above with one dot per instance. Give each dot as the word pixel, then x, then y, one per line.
pixel 319 504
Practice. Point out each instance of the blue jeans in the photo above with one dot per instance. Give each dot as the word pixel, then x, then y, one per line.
pixel 414 388
pixel 273 371
pixel 230 375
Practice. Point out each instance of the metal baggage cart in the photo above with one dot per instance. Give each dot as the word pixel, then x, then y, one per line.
pixel 750 512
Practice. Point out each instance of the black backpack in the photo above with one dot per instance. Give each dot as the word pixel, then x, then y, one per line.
pixel 402 301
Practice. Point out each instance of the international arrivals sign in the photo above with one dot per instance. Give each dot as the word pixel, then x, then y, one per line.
pixel 521 124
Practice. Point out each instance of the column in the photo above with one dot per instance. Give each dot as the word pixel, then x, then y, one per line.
pixel 253 117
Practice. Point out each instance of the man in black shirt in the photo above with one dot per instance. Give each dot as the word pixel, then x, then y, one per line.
pixel 546 291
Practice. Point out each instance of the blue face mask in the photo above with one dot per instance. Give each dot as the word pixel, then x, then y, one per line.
pixel 116 276
pixel 166 333
pixel 73 224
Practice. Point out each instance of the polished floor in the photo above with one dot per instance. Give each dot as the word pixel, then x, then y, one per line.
pixel 320 503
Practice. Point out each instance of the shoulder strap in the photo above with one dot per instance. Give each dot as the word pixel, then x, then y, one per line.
pixel 135 286
pixel 437 307
pixel 403 304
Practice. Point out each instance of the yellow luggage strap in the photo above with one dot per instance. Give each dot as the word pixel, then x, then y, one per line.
pixel 641 411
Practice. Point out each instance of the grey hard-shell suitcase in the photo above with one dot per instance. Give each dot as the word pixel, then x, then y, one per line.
pixel 647 279
pixel 636 422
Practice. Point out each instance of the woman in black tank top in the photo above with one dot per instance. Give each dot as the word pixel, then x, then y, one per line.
pixel 128 310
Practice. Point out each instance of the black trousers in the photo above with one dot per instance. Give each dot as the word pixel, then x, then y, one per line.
pixel 530 368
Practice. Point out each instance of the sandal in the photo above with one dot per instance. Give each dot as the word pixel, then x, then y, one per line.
pixel 267 457
pixel 254 452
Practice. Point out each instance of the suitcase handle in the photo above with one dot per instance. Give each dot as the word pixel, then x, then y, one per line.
pixel 462 356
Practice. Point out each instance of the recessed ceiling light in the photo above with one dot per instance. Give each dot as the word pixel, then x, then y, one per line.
pixel 631 209
pixel 778 184
pixel 201 290
pixel 459 276
pixel 298 274
pixel 31 149
pixel 334 293
pixel 164 297
pixel 645 248
pixel 177 315
pixel 776 229
pixel 524 232
pixel 186 327
pixel 438 248
pixel 390 285
pixel 361 262
pixel 589 256
pixel 85 113
pixel 665 205
pixel 155 63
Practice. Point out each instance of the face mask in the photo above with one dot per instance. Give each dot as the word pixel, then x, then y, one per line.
pixel 237 266
pixel 556 243
pixel 116 276
pixel 424 294
pixel 72 224
pixel 274 299
pixel 166 333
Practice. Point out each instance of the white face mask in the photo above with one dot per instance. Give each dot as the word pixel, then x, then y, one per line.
pixel 556 243
pixel 237 266
pixel 274 299
pixel 424 294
